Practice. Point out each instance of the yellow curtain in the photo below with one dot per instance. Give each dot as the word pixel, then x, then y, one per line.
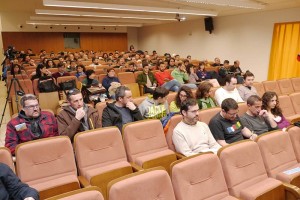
pixel 284 51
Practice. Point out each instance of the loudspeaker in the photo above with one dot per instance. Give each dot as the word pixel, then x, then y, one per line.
pixel 209 25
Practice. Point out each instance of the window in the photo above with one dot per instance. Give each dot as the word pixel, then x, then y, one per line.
pixel 72 40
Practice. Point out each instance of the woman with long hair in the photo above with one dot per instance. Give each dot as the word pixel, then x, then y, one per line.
pixel 41 72
pixel 183 94
pixel 271 104
pixel 203 95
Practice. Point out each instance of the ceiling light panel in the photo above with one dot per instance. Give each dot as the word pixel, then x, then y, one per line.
pixel 232 3
pixel 35 22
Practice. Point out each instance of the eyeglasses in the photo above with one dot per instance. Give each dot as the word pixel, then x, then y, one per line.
pixel 31 107
pixel 232 114
pixel 182 95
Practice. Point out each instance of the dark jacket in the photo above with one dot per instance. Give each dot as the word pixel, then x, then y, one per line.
pixel 112 117
pixel 12 188
pixel 108 80
pixel 142 78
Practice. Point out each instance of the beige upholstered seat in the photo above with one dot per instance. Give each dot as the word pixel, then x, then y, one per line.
pixel 146 145
pixel 26 85
pixel 139 100
pixel 287 108
pixel 294 133
pixel 88 193
pixel 271 86
pixel 126 77
pixel 172 124
pixel 6 157
pixel 295 98
pixel 53 104
pixel 199 177
pixel 279 156
pixel 47 165
pixel 101 156
pixel 242 108
pixel 144 185
pixel 100 107
pixel 296 84
pixel 205 115
pixel 259 88
pixel 171 97
pixel 285 86
pixel 245 173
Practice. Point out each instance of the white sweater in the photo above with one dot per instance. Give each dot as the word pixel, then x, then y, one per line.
pixel 222 94
pixel 192 139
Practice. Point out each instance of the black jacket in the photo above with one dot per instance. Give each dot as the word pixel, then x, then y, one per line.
pixel 112 117
pixel 12 188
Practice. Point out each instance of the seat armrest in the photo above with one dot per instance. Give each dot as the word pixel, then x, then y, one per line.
pixel 136 167
pixel 291 191
pixel 179 156
pixel 83 182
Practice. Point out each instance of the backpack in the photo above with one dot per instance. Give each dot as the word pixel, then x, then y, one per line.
pixel 47 84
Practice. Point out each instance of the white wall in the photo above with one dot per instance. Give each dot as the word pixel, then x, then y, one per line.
pixel 132 37
pixel 247 38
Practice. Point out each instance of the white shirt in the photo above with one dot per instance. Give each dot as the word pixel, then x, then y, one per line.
pixel 193 139
pixel 222 94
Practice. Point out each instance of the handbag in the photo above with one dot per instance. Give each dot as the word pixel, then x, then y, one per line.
pixel 47 85
pixel 67 85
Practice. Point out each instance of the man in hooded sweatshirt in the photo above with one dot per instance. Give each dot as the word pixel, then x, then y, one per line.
pixel 77 116
pixel 30 124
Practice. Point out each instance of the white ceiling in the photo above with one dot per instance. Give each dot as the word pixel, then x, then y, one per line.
pixel 124 17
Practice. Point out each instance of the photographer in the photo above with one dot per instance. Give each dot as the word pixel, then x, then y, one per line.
pixel 10 55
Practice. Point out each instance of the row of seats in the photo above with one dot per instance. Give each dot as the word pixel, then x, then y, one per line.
pixel 244 170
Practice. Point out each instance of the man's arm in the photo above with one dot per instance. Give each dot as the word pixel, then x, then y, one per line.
pixel 181 145
pixel 219 97
pixel 55 125
pixel 67 129
pixel 217 131
pixel 11 138
pixel 222 142
pixel 106 119
pixel 212 143
pixel 248 134
pixel 239 98
pixel 268 119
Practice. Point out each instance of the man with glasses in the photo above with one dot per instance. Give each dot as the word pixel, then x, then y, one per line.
pixel 227 127
pixel 191 136
pixel 77 116
pixel 30 124
pixel 257 120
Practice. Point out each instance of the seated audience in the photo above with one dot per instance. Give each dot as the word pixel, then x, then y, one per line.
pixel 203 95
pixel 202 73
pixel 165 79
pixel 147 79
pixel 228 91
pixel 271 104
pixel 193 78
pixel 50 64
pixel 235 68
pixel 90 80
pixel 13 188
pixel 227 127
pixel 61 71
pixel 110 78
pixel 122 111
pixel 191 136
pixel 131 67
pixel 95 62
pixel 182 76
pixel 155 107
pixel 247 89
pixel 16 69
pixel 41 72
pixel 80 71
pixel 30 124
pixel 258 121
pixel 77 116
pixel 171 64
pixel 217 63
pixel 183 94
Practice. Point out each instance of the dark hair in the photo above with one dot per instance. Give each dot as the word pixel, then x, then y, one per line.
pixel 47 63
pixel 228 78
pixel 203 89
pixel 229 104
pixel 226 61
pixel 82 66
pixel 188 68
pixel 12 71
pixel 27 97
pixel 267 96
pixel 252 99
pixel 186 104
pixel 169 61
pixel 89 72
pixel 120 92
pixel 72 92
pixel 110 69
pixel 160 92
pixel 247 73
pixel 38 70
pixel 60 64
pixel 188 92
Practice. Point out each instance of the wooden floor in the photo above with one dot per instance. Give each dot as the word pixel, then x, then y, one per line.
pixel 6 116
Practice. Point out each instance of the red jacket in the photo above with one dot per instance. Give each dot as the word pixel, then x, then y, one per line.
pixel 48 126
pixel 163 77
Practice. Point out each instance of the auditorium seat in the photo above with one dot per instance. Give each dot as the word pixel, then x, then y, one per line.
pixel 139 100
pixel 171 97
pixel 88 193
pixel 62 79
pixel 100 107
pixel 296 84
pixel 135 89
pixel 100 77
pixel 25 84
pixel 172 124
pixel 146 145
pixel 199 177
pixel 245 173
pixel 205 115
pixel 271 86
pixel 294 133
pixel 295 98
pixel 285 86
pixel 243 107
pixel 126 77
pixel 279 157
pixel 144 185
pixel 101 156
pixel 6 157
pixel 259 88
pixel 287 108
pixel 48 165
pixel 49 100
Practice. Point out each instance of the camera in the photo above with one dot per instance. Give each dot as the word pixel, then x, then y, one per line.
pixel 10 53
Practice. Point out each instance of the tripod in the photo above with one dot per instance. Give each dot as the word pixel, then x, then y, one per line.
pixel 14 82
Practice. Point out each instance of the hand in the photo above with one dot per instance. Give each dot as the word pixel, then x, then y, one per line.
pixel 154 84
pixel 263 113
pixel 29 198
pixel 100 85
pixel 80 113
pixel 253 137
pixel 130 105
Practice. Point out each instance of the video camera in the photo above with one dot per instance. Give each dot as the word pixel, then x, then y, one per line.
pixel 10 53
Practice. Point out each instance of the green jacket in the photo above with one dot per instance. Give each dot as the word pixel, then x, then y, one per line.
pixel 181 77
pixel 142 78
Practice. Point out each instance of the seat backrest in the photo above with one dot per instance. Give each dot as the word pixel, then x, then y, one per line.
pixel 45 159
pixel 26 85
pixel 100 107
pixel 98 147
pixel 46 104
pixel 271 86
pixel 191 183
pixel 286 105
pixel 242 108
pixel 259 88
pixel 134 87
pixel 172 124
pixel 285 86
pixel 126 77
pixel 141 139
pixel 171 97
pixel 35 86
pixel 143 185
pixel 137 73
pixel 294 133
pixel 100 77
pixel 242 165
pixel 6 157
pixel 91 193
pixel 65 78
pixel 205 115
pixel 295 98
pixel 277 151
pixel 139 100
pixel 296 84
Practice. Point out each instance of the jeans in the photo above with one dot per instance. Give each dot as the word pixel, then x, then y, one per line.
pixel 191 85
pixel 172 85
